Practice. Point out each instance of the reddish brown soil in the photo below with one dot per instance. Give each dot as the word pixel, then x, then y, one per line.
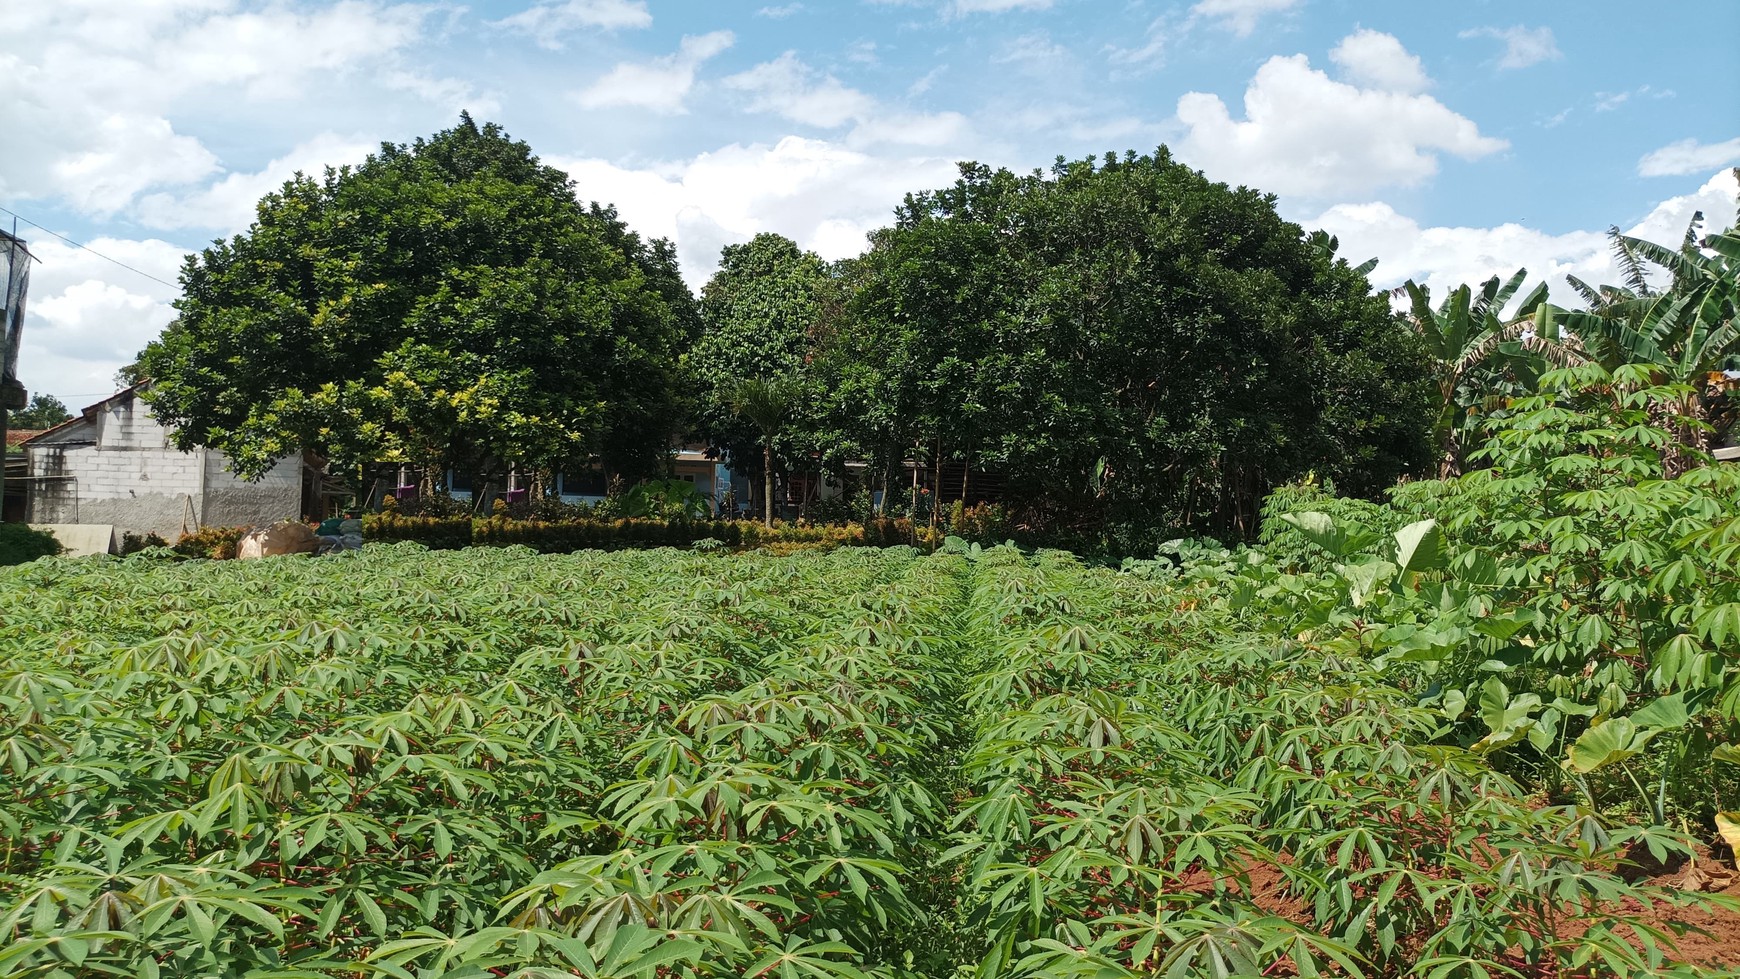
pixel 1716 943
pixel 1720 947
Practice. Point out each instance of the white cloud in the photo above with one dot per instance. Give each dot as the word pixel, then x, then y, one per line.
pixel 1377 60
pixel 661 84
pixel 780 12
pixel 270 51
pixel 1523 46
pixel 1717 198
pixel 1036 49
pixel 1689 156
pixel 789 88
pixel 228 204
pixel 1240 16
pixel 453 94
pixel 821 194
pixel 547 22
pixel 932 129
pixel 1307 134
pixel 87 318
pixel 925 81
pixel 1608 101
pixel 123 155
pixel 1152 51
pixel 1445 257
pixel 96 83
pixel 998 6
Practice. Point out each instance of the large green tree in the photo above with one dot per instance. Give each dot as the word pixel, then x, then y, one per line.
pixel 45 411
pixel 760 317
pixel 1131 344
pixel 446 302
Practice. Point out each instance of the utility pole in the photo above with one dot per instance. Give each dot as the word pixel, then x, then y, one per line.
pixel 15 261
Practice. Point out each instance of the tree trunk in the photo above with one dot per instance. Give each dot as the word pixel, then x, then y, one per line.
pixel 915 465
pixel 936 504
pixel 887 483
pixel 966 467
pixel 767 480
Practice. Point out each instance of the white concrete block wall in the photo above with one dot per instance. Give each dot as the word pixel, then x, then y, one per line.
pixel 133 478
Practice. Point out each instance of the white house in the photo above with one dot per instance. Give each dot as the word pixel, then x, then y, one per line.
pixel 114 464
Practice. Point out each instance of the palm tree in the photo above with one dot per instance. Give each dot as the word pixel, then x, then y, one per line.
pixel 1474 348
pixel 764 403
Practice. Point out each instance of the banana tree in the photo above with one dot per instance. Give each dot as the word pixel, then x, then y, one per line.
pixel 1685 331
pixel 1478 352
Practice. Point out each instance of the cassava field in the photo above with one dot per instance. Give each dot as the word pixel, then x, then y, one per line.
pixel 661 763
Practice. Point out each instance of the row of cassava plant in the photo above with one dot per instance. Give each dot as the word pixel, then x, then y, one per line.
pixel 860 762
pixel 423 763
pixel 1571 609
pixel 1153 794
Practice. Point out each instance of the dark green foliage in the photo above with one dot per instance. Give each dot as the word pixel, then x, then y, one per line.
pixel 132 543
pixel 19 543
pixel 45 411
pixel 217 543
pixel 1136 348
pixel 445 302
pixel 761 315
pixel 565 536
pixel 1291 548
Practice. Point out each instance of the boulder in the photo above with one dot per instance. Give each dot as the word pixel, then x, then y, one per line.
pixel 286 537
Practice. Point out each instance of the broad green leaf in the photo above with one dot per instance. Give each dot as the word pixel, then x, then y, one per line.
pixel 1666 713
pixel 1420 547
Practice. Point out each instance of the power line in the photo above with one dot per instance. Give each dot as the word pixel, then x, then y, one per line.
pixel 87 248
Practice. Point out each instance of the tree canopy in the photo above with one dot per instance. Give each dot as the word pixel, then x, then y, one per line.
pixel 760 314
pixel 44 411
pixel 1127 341
pixel 446 302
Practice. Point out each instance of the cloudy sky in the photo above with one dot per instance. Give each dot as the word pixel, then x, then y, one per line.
pixel 1450 140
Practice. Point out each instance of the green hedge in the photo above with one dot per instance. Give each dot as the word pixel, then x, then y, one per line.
pixel 562 536
pixel 19 543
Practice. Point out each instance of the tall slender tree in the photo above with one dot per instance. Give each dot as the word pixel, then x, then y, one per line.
pixel 765 403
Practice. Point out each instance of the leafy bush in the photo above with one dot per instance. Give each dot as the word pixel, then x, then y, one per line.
pixel 132 543
pixel 1293 549
pixel 666 499
pixel 1566 609
pixel 986 523
pixel 216 543
pixel 435 532
pixel 564 536
pixel 430 505
pixel 19 543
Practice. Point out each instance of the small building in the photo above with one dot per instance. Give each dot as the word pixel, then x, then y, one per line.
pixel 113 463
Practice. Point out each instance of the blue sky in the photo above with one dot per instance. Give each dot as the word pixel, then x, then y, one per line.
pixel 1451 141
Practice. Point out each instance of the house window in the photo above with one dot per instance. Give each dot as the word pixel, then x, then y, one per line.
pixel 584 482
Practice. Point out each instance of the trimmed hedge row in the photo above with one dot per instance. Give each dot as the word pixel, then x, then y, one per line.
pixel 562 536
